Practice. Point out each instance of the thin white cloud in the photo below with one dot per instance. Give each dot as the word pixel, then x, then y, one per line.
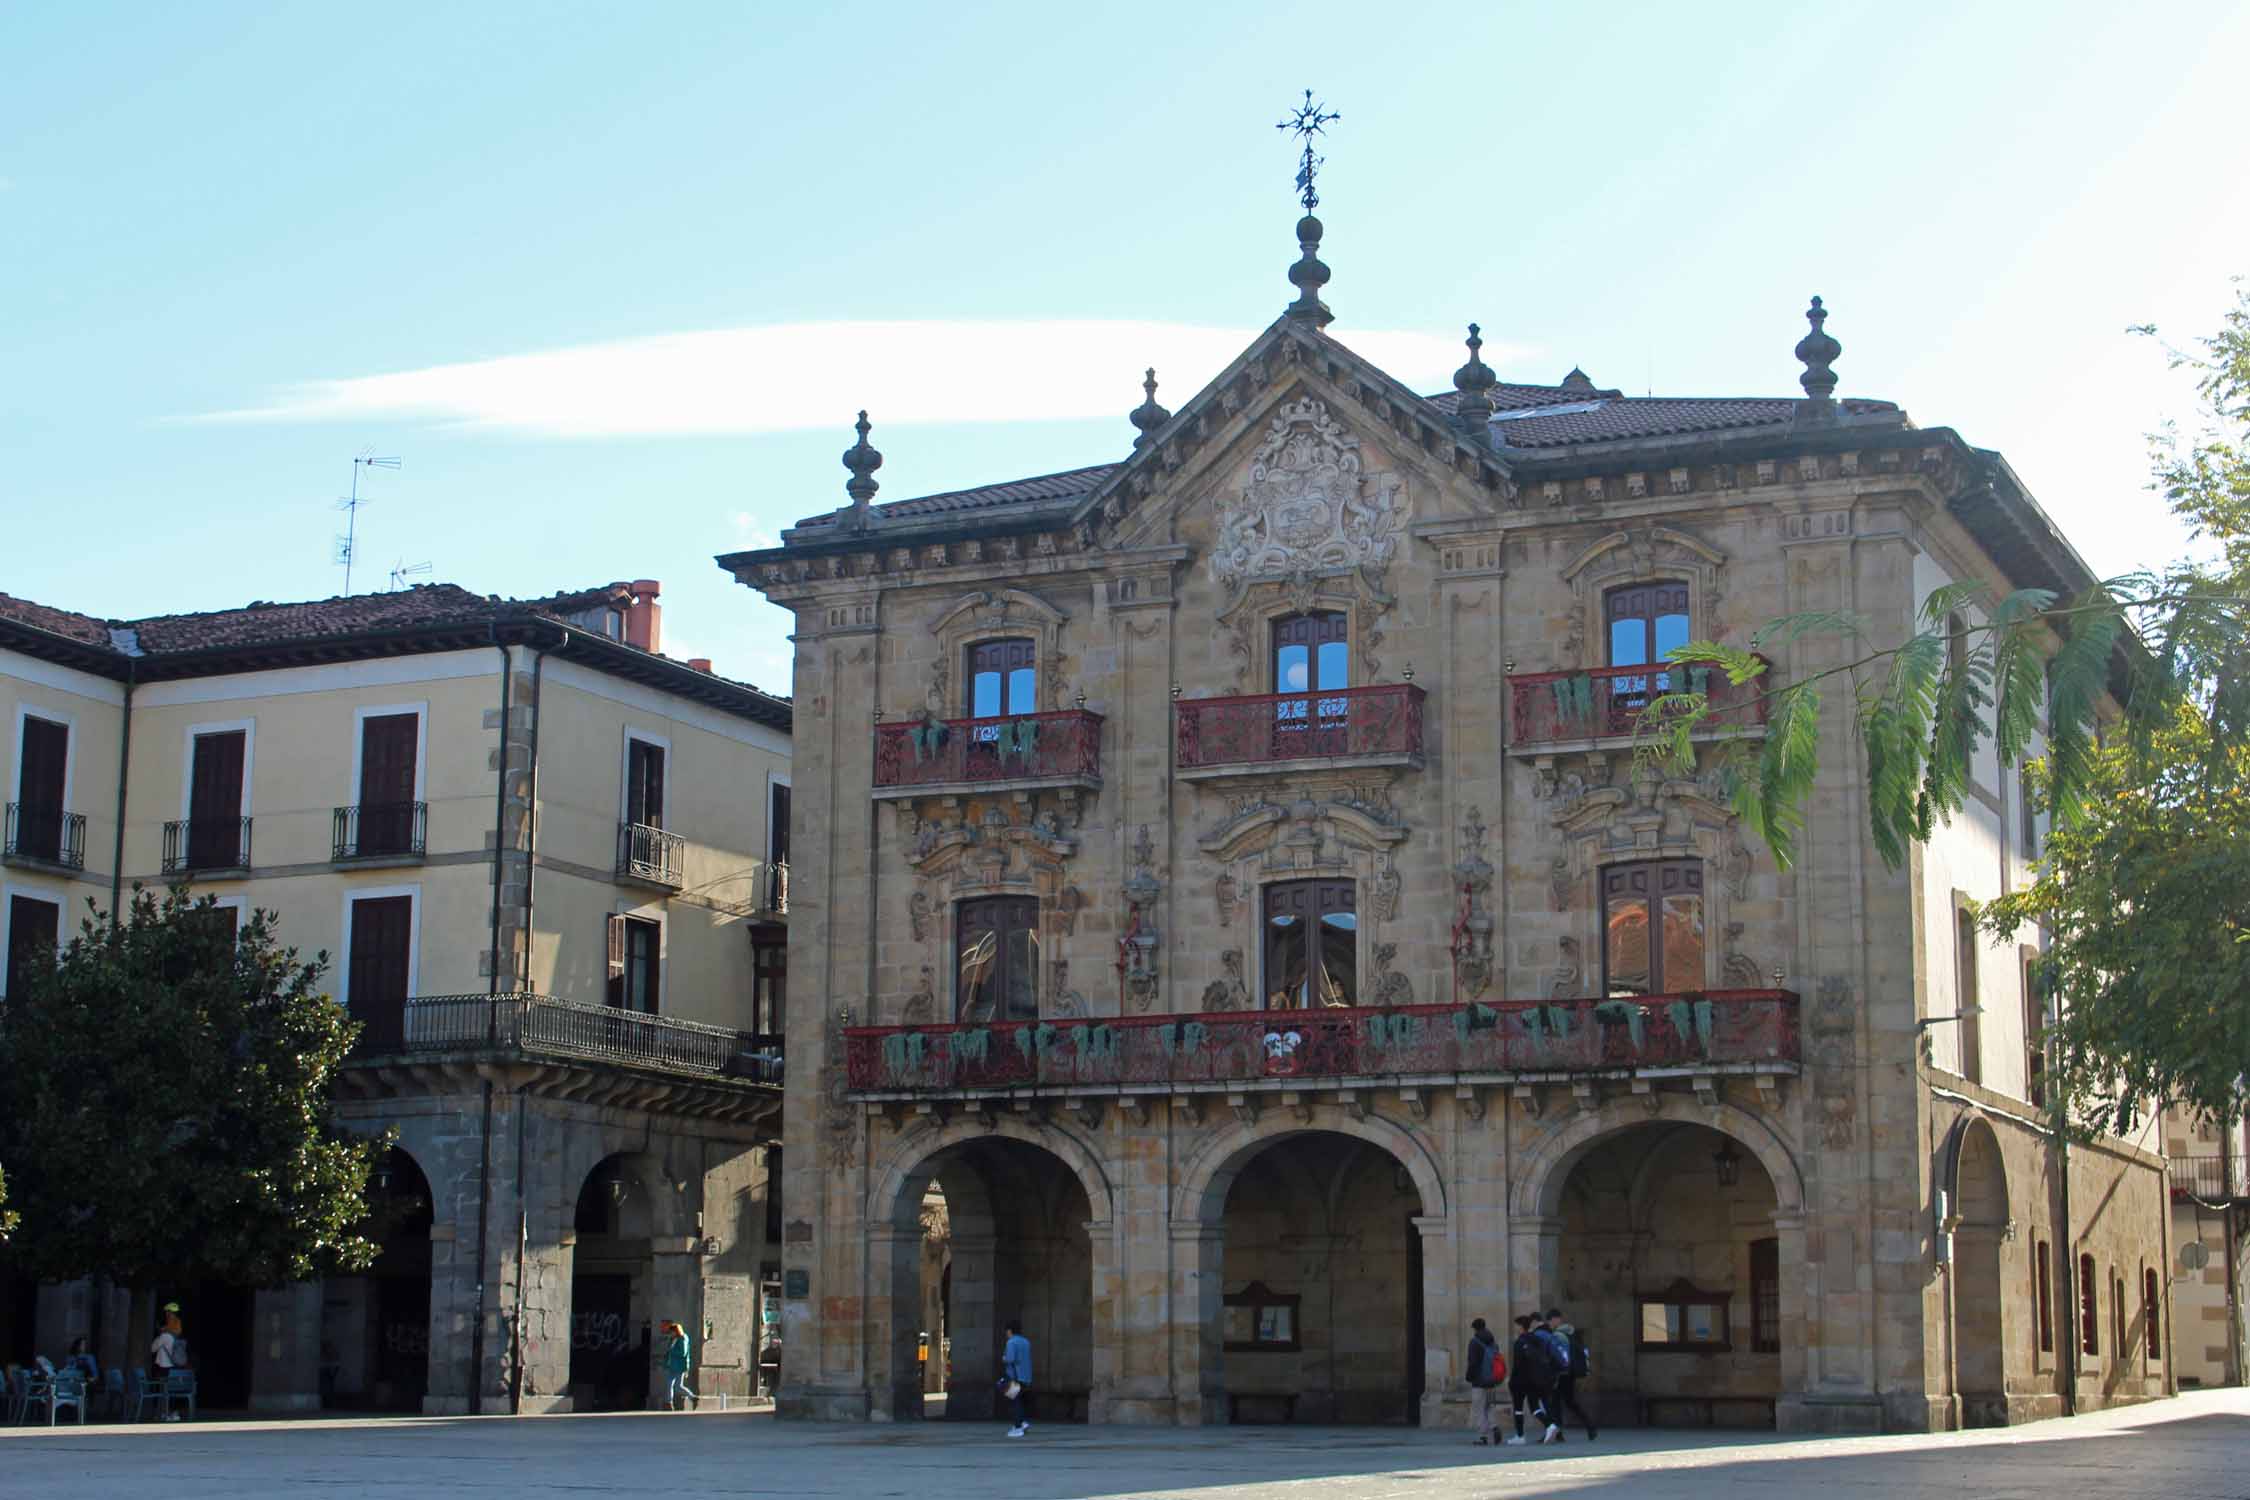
pixel 796 376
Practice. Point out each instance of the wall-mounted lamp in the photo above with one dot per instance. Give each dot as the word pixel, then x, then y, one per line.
pixel 1410 672
pixel 1509 665
pixel 1726 1164
pixel 1175 692
pixel 1080 700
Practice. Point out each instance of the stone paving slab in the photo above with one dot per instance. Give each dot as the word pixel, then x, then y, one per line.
pixel 2196 1447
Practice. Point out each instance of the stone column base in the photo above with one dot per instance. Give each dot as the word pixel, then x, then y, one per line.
pixel 812 1403
pixel 1828 1414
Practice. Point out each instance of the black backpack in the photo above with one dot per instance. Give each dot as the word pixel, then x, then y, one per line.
pixel 1581 1362
pixel 1535 1363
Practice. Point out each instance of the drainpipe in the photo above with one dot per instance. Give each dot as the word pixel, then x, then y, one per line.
pixel 124 758
pixel 492 988
pixel 523 1119
pixel 2070 1277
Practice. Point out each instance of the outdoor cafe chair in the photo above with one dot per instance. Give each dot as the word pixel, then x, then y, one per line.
pixel 38 1390
pixel 179 1385
pixel 113 1392
pixel 66 1388
pixel 147 1395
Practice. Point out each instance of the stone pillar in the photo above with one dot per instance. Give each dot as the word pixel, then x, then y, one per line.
pixel 453 1302
pixel 894 1263
pixel 1796 1323
pixel 1535 1259
pixel 541 1321
pixel 675 1291
pixel 285 1348
pixel 969 1394
pixel 1199 1253
pixel 1101 1238
pixel 1445 1398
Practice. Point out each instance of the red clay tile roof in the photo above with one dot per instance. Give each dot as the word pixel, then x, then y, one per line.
pixel 1068 485
pixel 264 624
pixel 60 622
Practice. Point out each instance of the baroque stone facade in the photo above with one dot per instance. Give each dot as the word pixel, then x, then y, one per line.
pixel 1227 876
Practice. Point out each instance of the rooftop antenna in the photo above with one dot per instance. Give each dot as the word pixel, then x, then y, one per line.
pixel 402 570
pixel 349 505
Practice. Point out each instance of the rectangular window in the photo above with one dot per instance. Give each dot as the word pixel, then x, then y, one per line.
pixel 2034 1038
pixel 2151 1303
pixel 2027 818
pixel 644 783
pixel 1965 996
pixel 2089 1308
pixel 1312 944
pixel 1646 622
pixel 1260 1320
pixel 389 745
pixel 34 931
pixel 214 838
pixel 2117 1315
pixel 1765 1296
pixel 996 959
pixel 769 970
pixel 2043 1289
pixel 1003 679
pixel 634 943
pixel 379 963
pixel 777 823
pixel 40 789
pixel 1312 655
pixel 1653 937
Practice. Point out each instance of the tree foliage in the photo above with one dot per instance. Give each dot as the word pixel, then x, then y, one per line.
pixel 2144 887
pixel 165 1095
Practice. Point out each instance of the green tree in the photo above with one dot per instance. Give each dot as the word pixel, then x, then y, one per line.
pixel 165 1093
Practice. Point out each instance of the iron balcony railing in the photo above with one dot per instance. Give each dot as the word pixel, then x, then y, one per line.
pixel 645 852
pixel 1013 747
pixel 774 897
pixel 545 1026
pixel 1709 1029
pixel 192 844
pixel 1347 723
pixel 36 831
pixel 381 830
pixel 1548 708
pixel 2208 1178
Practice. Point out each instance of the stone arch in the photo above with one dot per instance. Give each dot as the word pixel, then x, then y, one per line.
pixel 1207 1174
pixel 1547 1165
pixel 1974 1173
pixel 908 1163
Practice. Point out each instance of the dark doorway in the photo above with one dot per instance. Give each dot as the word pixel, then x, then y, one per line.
pixel 19 1317
pixel 217 1320
pixel 1416 1343
pixel 601 1341
pixel 34 927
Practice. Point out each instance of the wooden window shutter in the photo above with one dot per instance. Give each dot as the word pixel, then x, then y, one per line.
pixel 616 926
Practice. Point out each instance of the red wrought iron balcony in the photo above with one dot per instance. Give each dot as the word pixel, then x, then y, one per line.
pixel 1550 711
pixel 920 756
pixel 1714 1031
pixel 1369 726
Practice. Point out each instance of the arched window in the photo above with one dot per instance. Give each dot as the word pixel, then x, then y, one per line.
pixel 1003 678
pixel 1311 655
pixel 1653 938
pixel 1312 945
pixel 1645 622
pixel 2089 1308
pixel 996 959
pixel 1965 995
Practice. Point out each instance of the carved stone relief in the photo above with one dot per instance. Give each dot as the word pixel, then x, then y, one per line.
pixel 1567 970
pixel 1472 928
pixel 1832 1042
pixel 1387 986
pixel 921 913
pixel 1737 970
pixel 1384 890
pixel 1230 992
pixel 921 1006
pixel 839 1115
pixel 1309 506
pixel 1136 950
pixel 1226 892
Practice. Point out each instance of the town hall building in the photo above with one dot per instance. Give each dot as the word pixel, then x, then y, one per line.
pixel 1227 875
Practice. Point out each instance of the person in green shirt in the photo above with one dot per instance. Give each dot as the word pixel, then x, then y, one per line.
pixel 675 1351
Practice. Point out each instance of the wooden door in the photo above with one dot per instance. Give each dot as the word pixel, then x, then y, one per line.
pixel 39 788
pixel 381 959
pixel 34 928
pixel 215 801
pixel 644 783
pixel 387 752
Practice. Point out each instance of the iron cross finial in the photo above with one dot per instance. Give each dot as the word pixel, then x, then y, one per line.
pixel 1306 121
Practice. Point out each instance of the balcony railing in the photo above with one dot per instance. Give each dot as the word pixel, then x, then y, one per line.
pixel 774 895
pixel 1718 1028
pixel 649 854
pixel 1346 724
pixel 381 830
pixel 1550 708
pixel 193 844
pixel 45 835
pixel 2207 1177
pixel 1065 746
pixel 543 1026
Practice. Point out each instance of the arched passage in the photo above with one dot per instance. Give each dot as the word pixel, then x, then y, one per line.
pixel 1674 1245
pixel 1025 1216
pixel 612 1275
pixel 375 1327
pixel 1980 1200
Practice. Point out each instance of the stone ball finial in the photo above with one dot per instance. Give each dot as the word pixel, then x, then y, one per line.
pixel 863 461
pixel 1475 380
pixel 1148 417
pixel 1818 351
pixel 1309 275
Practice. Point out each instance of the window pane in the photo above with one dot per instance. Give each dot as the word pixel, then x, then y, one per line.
pixel 978 978
pixel 1625 954
pixel 1628 642
pixel 1023 691
pixel 1339 958
pixel 1335 665
pixel 1288 961
pixel 1683 942
pixel 1020 942
pixel 1292 669
pixel 1655 1325
pixel 984 695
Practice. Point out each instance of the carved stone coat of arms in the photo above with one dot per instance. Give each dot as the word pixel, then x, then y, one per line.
pixel 1309 507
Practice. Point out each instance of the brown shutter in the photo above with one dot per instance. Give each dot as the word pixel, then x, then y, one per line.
pixel 381 954
pixel 616 932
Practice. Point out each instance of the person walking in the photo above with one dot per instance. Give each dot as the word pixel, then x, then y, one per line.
pixel 168 1352
pixel 675 1353
pixel 1530 1374
pixel 1575 1362
pixel 1015 1377
pixel 1487 1367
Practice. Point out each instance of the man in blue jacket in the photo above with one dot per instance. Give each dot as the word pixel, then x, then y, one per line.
pixel 1015 1370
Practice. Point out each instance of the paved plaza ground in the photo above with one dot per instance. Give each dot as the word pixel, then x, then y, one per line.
pixel 2196 1447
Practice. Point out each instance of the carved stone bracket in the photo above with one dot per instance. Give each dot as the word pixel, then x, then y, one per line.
pixel 1471 1100
pixel 1532 1096
pixel 1245 1107
pixel 1417 1103
pixel 1088 1109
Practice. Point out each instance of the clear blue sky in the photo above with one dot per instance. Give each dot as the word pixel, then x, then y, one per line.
pixel 218 223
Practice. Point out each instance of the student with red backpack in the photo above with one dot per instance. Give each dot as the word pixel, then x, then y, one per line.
pixel 1487 1368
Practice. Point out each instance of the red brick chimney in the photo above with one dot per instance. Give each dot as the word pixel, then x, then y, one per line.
pixel 700 663
pixel 644 619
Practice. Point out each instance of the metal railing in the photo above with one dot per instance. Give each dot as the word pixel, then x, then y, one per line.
pixel 379 830
pixel 47 834
pixel 645 852
pixel 1712 1028
pixel 1385 719
pixel 2207 1177
pixel 774 894
pixel 192 844
pixel 1011 747
pixel 1606 702
pixel 545 1026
